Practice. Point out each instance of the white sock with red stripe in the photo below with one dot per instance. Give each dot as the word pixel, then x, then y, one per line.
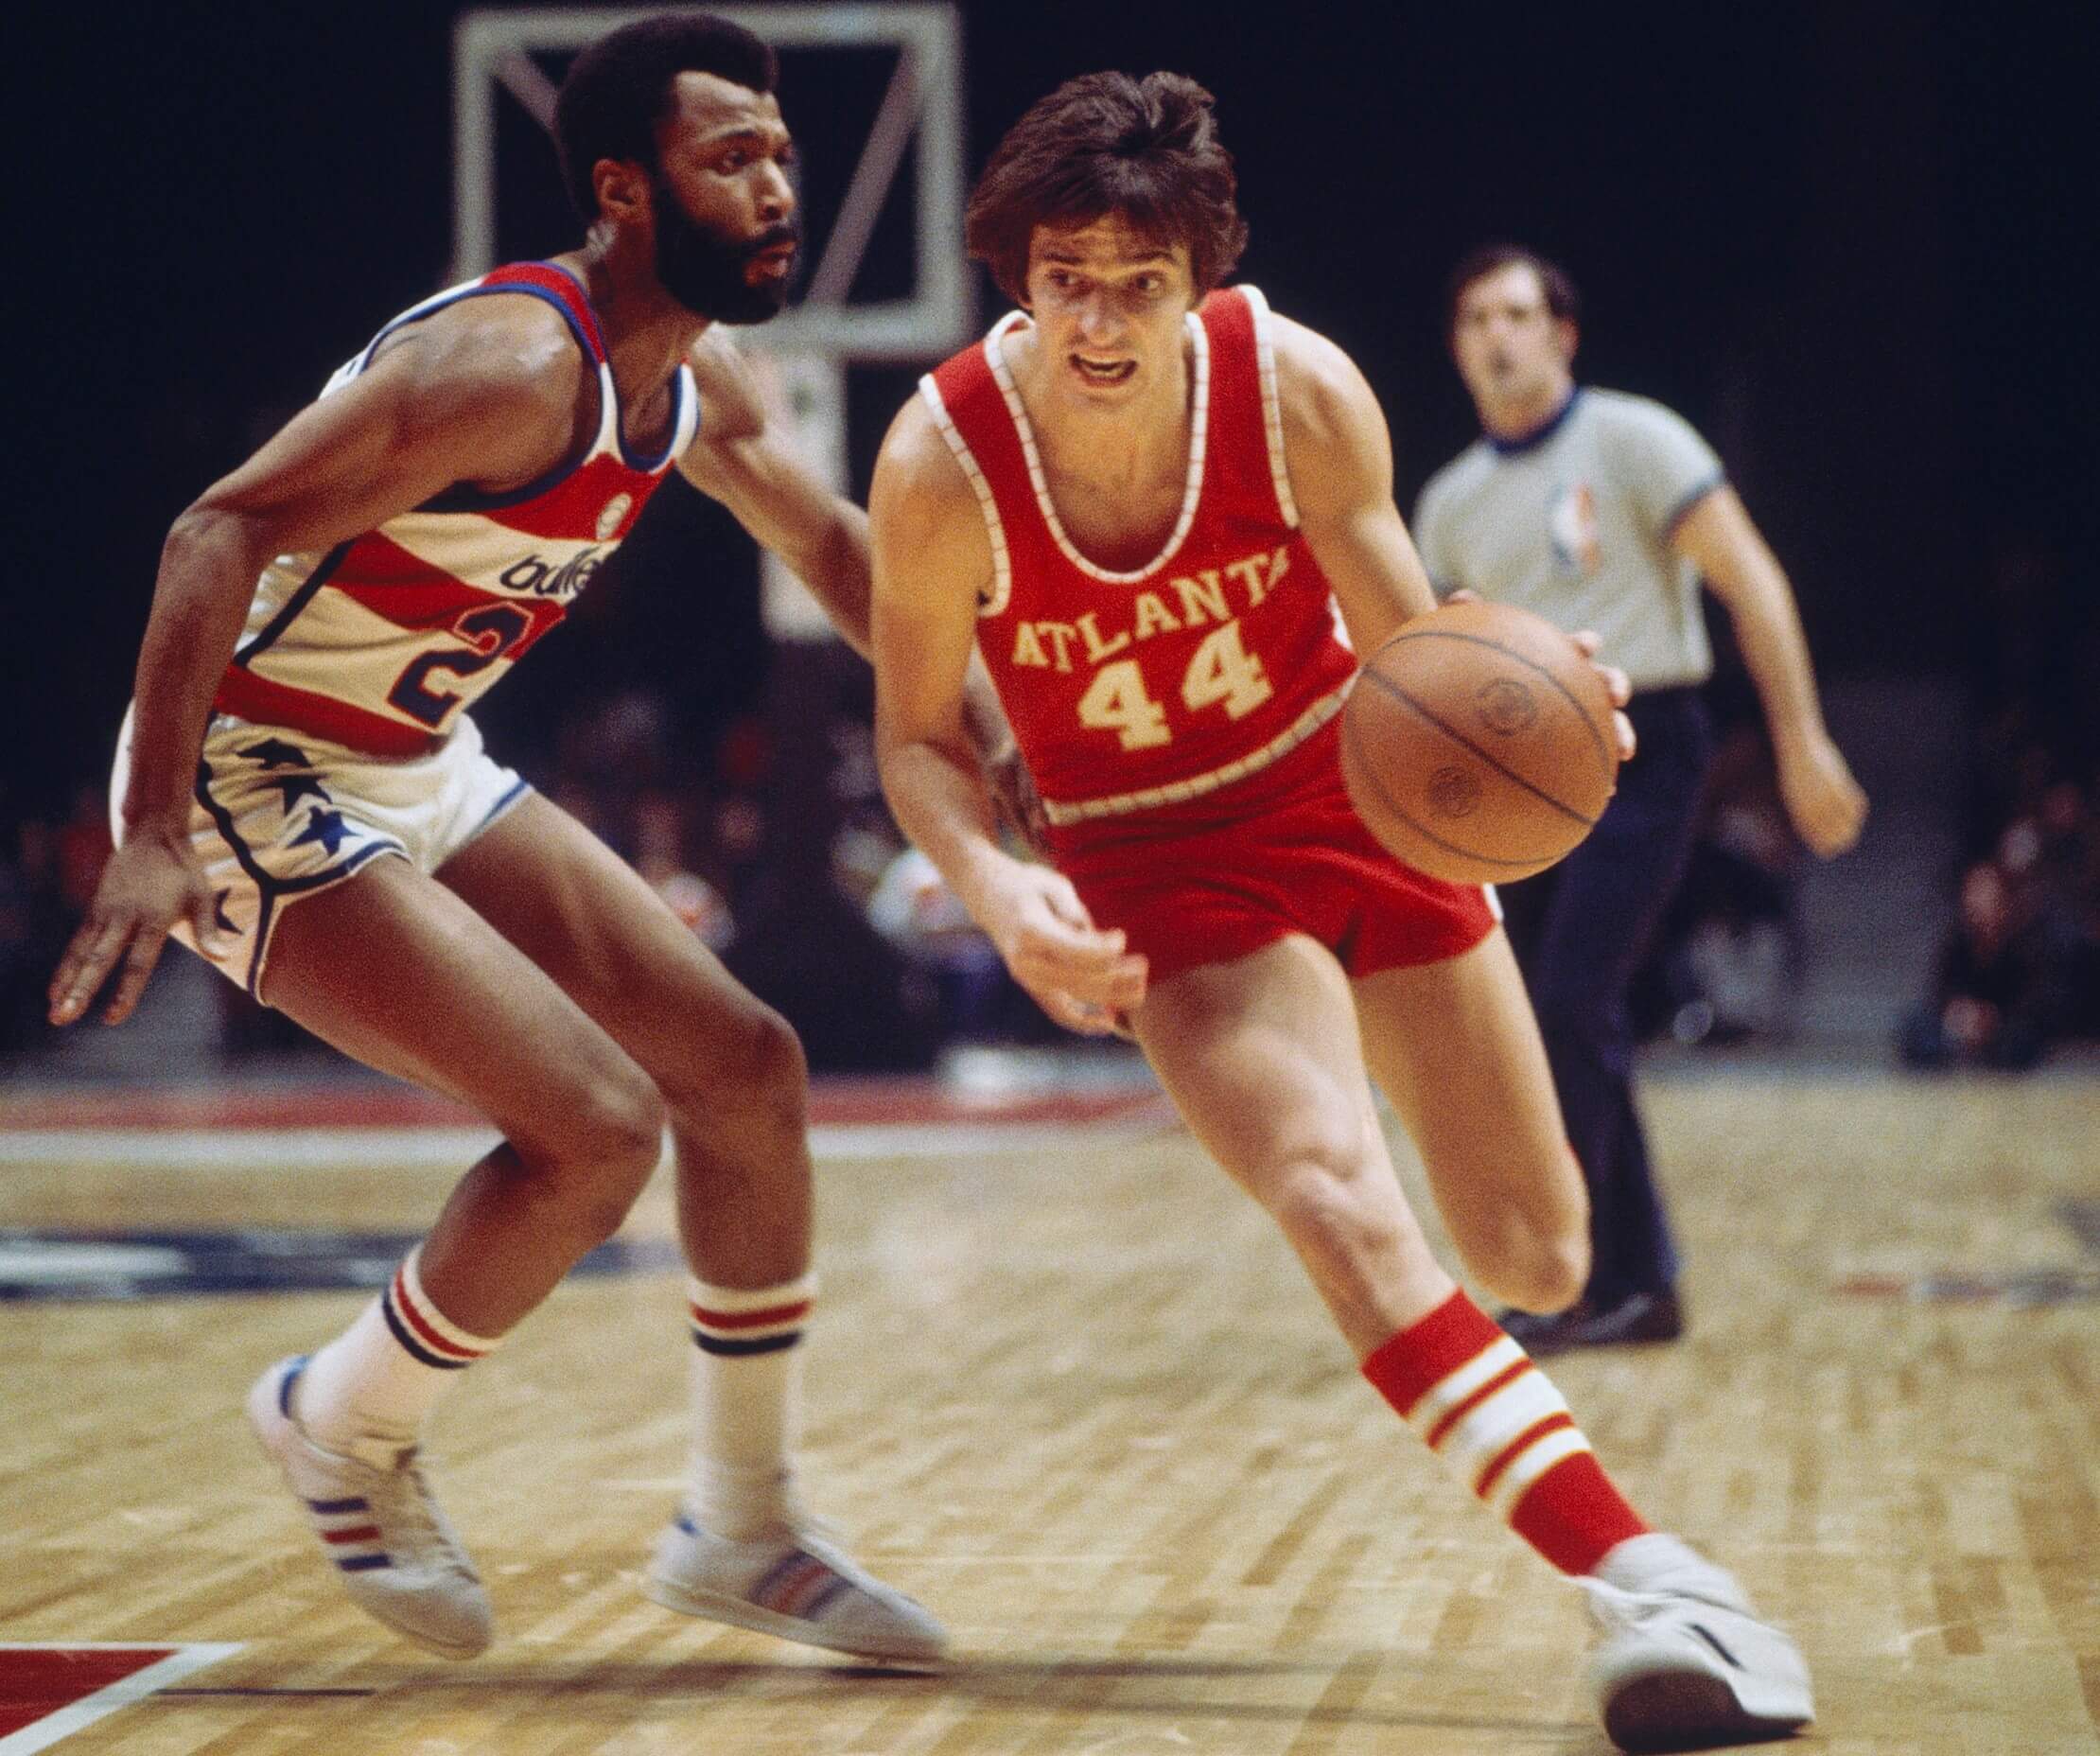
pixel 365 1394
pixel 1478 1403
pixel 746 1365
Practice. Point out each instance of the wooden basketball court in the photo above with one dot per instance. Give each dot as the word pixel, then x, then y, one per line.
pixel 1068 1388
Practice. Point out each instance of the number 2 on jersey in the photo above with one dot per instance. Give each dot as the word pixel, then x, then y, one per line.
pixel 492 632
pixel 1220 672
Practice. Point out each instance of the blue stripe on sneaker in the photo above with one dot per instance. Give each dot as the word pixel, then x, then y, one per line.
pixel 1726 1655
pixel 357 1503
pixel 814 1607
pixel 363 1563
pixel 687 1525
pixel 775 1576
pixel 285 1385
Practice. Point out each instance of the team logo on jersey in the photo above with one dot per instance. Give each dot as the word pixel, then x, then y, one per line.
pixel 1571 527
pixel 543 578
pixel 616 509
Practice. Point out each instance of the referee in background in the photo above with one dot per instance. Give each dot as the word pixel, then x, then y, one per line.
pixel 1606 511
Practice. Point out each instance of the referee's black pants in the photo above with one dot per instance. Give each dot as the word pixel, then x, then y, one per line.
pixel 1581 930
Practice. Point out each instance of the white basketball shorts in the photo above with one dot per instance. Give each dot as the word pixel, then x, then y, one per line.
pixel 279 815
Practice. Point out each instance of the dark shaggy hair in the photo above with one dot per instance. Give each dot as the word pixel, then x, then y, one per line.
pixel 1143 149
pixel 1562 299
pixel 619 90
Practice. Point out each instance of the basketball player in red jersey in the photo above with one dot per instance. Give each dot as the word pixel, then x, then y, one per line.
pixel 1142 498
pixel 301 797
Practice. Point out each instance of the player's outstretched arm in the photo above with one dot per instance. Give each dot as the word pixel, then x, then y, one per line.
pixel 1826 804
pixel 744 457
pixel 472 395
pixel 931 557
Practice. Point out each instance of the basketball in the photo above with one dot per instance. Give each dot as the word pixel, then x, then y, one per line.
pixel 1477 744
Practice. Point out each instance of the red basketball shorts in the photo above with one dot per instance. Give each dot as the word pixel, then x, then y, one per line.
pixel 1282 852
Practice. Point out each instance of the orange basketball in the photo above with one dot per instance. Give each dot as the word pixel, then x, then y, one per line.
pixel 1477 744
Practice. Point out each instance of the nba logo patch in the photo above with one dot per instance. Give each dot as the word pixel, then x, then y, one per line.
pixel 1571 526
pixel 615 510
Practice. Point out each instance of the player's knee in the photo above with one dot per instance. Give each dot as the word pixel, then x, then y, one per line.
pixel 769 1093
pixel 1531 1249
pixel 776 1059
pixel 1547 1275
pixel 631 1148
pixel 619 1127
pixel 581 1161
pixel 1327 1212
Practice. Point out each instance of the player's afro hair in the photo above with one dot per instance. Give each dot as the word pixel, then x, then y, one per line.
pixel 619 90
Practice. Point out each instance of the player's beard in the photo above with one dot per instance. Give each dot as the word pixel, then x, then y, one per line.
pixel 708 273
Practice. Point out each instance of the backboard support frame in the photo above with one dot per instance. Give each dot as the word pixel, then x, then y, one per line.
pixel 491 52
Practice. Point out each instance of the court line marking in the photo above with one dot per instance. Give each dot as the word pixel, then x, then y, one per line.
pixel 189 1656
pixel 367 1149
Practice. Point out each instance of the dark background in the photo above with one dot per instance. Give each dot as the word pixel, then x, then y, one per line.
pixel 1845 241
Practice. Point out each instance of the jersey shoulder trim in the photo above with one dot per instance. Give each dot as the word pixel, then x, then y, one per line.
pixel 995 600
pixel 538 280
pixel 1272 408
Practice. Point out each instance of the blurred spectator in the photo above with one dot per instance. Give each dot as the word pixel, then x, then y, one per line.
pixel 611 753
pixel 661 843
pixel 1995 999
pixel 915 910
pixel 2020 967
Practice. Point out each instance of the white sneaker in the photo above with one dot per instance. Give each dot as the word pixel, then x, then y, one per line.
pixel 400 1559
pixel 1685 1661
pixel 792 1583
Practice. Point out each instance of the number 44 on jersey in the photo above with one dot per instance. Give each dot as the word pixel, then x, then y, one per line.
pixel 1220 672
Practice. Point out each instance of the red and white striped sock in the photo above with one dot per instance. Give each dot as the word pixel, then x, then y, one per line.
pixel 746 1365
pixel 1478 1403
pixel 365 1394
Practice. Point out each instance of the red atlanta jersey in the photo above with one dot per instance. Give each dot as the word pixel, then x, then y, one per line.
pixel 382 641
pixel 1132 691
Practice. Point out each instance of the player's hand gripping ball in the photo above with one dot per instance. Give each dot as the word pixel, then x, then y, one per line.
pixel 1477 744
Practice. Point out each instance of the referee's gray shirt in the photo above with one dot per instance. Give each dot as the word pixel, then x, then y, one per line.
pixel 1574 522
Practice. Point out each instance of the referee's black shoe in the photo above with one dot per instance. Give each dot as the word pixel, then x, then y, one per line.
pixel 1629 1320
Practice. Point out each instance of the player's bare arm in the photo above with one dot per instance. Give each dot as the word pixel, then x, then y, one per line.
pixel 742 458
pixel 1339 456
pixel 486 396
pixel 1339 452
pixel 1826 804
pixel 932 559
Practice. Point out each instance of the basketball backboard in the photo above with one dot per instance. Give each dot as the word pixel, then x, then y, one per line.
pixel 874 86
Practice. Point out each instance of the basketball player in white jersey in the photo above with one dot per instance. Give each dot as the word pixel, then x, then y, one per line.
pixel 301 798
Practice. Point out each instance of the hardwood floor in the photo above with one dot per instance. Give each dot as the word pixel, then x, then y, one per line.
pixel 1070 1390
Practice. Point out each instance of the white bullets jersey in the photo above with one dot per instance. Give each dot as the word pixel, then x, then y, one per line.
pixel 381 642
